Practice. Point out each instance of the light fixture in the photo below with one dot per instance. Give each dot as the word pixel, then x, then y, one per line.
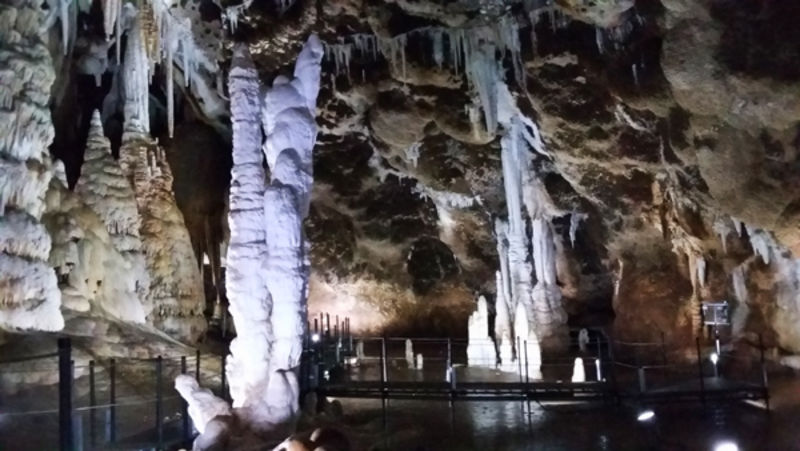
pixel 726 446
pixel 646 415
pixel 714 358
pixel 315 338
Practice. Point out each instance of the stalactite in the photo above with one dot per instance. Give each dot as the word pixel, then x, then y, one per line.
pixel 722 226
pixel 137 113
pixel 760 241
pixel 29 295
pixel 66 21
pixel 574 222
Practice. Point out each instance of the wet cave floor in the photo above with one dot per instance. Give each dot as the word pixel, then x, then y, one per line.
pixel 507 425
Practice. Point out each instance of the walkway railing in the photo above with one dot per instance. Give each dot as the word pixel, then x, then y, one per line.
pixel 103 402
pixel 390 367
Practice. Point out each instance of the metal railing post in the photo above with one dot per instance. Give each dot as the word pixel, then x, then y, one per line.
pixel 197 366
pixel 700 372
pixel 92 402
pixel 525 347
pixel 65 394
pixel 327 323
pixel 519 359
pixel 764 380
pixel 642 381
pixel 159 402
pixel 184 406
pixel 384 373
pixel 223 382
pixel 111 426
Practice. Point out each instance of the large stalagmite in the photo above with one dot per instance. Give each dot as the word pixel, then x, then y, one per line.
pixel 175 297
pixel 267 255
pixel 108 193
pixel 481 348
pixel 94 277
pixel 29 297
pixel 250 304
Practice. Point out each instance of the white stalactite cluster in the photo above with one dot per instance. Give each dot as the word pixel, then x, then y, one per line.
pixel 173 35
pixel 175 296
pixel 29 296
pixel 528 304
pixel 537 290
pixel 472 51
pixel 268 255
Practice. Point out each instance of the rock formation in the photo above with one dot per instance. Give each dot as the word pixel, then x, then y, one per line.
pixel 480 348
pixel 175 297
pixel 269 308
pixel 105 189
pixel 29 297
pixel 94 277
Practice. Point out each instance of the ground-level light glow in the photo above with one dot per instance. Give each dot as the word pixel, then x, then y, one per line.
pixel 315 338
pixel 646 415
pixel 726 446
pixel 714 358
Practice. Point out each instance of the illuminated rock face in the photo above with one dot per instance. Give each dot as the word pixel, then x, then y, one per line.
pixel 175 298
pixel 29 297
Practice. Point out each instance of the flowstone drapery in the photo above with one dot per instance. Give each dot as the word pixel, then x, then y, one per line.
pixel 29 296
pixel 527 278
pixel 268 259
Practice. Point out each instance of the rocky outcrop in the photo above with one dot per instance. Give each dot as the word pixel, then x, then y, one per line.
pixel 95 278
pixel 105 189
pixel 29 296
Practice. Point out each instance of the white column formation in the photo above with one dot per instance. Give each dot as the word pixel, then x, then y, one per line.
pixel 29 296
pixel 291 131
pixel 176 297
pixel 542 300
pixel 480 347
pixel 268 259
pixel 250 303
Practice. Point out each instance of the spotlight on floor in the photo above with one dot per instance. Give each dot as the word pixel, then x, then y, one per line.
pixel 646 415
pixel 315 338
pixel 726 446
